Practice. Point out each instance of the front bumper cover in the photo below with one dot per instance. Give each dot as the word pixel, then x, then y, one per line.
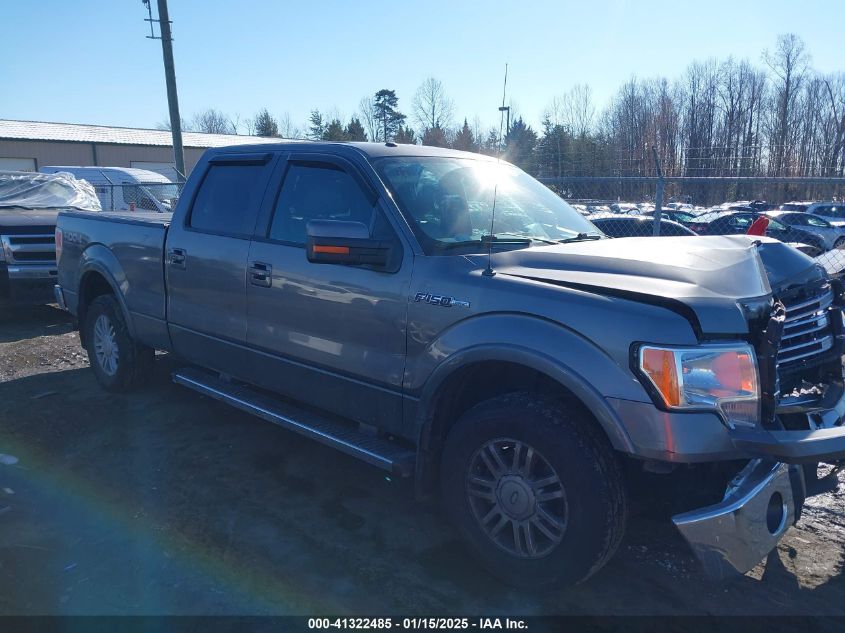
pixel 734 535
pixel 822 438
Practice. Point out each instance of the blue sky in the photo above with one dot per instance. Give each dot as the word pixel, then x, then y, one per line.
pixel 87 61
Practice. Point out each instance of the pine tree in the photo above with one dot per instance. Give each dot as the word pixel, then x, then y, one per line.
pixel 265 125
pixel 464 140
pixel 519 145
pixel 389 118
pixel 405 135
pixel 316 128
pixel 435 137
pixel 334 131
pixel 355 131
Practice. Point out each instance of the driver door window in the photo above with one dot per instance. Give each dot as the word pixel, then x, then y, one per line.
pixel 317 192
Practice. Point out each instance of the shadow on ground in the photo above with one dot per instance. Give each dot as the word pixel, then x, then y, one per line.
pixel 163 501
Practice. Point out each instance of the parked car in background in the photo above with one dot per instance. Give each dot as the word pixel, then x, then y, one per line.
pixel 757 206
pixel 833 236
pixel 624 208
pixel 833 212
pixel 738 223
pixel 126 188
pixel 680 216
pixel 637 226
pixel 29 204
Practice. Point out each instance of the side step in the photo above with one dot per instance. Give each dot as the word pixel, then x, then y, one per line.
pixel 373 450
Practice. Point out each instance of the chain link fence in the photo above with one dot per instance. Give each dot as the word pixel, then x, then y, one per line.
pixel 807 213
pixel 133 197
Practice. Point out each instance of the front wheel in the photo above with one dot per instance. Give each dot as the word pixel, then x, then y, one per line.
pixel 119 363
pixel 535 489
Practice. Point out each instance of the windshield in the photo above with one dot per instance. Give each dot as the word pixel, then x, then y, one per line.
pixel 449 201
pixel 163 192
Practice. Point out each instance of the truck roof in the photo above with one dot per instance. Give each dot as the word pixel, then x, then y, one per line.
pixel 370 150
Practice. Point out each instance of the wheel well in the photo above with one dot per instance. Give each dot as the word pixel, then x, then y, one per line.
pixel 468 387
pixel 93 285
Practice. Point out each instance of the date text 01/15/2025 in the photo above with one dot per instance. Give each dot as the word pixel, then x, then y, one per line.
pixel 416 624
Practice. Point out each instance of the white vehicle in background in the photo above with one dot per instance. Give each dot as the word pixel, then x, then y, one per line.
pixel 832 211
pixel 126 188
pixel 832 234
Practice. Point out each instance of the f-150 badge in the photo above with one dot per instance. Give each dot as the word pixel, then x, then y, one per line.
pixel 440 300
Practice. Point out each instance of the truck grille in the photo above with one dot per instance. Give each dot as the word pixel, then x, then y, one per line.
pixel 807 330
pixel 29 249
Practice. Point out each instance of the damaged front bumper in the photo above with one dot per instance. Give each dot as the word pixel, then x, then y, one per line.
pixel 734 535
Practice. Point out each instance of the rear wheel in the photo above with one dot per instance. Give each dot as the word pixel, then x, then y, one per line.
pixel 840 243
pixel 119 363
pixel 535 490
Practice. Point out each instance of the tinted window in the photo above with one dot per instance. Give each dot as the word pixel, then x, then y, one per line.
pixel 814 221
pixel 317 192
pixel 796 219
pixel 833 212
pixel 228 199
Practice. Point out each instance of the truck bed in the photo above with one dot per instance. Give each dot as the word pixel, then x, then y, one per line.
pixel 143 218
pixel 135 245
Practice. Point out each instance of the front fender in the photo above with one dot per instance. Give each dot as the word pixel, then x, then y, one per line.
pixel 542 345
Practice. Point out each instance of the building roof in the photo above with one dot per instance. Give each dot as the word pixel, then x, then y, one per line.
pixel 44 131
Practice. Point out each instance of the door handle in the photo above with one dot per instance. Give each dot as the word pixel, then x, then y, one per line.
pixel 176 257
pixel 261 274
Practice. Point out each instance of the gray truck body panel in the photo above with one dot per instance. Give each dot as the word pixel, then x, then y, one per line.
pixel 569 311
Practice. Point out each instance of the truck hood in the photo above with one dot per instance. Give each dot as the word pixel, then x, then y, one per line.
pixel 705 278
pixel 16 219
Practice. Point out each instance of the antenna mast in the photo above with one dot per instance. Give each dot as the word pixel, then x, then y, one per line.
pixel 489 272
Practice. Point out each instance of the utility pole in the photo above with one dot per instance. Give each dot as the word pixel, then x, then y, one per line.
pixel 170 79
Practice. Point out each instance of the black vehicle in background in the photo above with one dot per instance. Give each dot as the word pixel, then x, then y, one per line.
pixel 637 226
pixel 29 205
pixel 738 223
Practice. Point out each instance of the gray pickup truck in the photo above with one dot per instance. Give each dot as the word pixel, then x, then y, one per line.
pixel 529 374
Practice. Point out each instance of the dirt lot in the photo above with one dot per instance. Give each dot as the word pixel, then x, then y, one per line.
pixel 165 502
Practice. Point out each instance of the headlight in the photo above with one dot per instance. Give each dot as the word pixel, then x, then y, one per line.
pixel 711 377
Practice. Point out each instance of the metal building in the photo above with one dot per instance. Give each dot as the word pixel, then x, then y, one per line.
pixel 29 145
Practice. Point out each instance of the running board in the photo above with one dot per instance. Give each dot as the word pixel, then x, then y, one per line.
pixel 371 449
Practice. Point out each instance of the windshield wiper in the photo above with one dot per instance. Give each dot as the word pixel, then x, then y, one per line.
pixel 486 240
pixel 581 237
pixel 515 238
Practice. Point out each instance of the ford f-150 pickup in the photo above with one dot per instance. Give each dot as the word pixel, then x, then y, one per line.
pixel 445 316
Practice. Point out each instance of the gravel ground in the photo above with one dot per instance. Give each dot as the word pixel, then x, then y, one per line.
pixel 165 502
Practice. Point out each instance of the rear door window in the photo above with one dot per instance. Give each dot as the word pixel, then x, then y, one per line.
pixel 228 199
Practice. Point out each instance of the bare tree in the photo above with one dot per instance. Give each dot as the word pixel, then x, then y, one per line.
pixel 287 129
pixel 789 63
pixel 431 107
pixel 369 116
pixel 164 124
pixel 213 121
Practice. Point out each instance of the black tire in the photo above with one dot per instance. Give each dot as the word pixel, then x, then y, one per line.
pixel 132 360
pixel 840 243
pixel 592 513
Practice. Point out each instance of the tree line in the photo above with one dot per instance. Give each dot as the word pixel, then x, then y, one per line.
pixel 728 117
